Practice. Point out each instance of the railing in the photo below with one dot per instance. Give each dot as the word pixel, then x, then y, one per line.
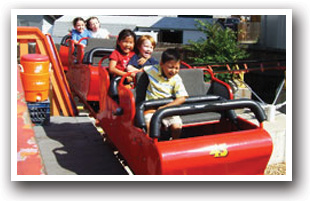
pixel 243 66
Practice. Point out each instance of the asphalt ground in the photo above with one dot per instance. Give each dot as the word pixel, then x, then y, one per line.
pixel 73 146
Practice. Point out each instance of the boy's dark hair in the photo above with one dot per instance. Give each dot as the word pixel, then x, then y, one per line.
pixel 170 54
pixel 122 35
pixel 75 20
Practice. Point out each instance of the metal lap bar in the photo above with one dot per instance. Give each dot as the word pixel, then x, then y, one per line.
pixel 140 121
pixel 204 107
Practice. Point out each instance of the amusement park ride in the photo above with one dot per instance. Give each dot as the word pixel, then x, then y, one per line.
pixel 215 141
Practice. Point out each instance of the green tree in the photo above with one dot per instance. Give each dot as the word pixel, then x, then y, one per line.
pixel 220 46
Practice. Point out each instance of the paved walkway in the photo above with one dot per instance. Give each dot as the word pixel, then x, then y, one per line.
pixel 73 146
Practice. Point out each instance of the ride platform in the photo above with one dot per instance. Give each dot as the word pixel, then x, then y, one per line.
pixel 73 146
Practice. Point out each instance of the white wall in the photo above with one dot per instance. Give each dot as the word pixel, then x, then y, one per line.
pixel 30 20
pixel 34 21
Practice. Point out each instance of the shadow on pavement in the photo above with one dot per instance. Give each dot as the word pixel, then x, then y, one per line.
pixel 76 148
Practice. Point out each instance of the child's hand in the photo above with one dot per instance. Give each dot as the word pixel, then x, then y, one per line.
pixel 142 60
pixel 131 77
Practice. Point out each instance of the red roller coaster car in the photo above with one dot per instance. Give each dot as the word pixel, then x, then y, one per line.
pixel 83 73
pixel 214 140
pixel 64 50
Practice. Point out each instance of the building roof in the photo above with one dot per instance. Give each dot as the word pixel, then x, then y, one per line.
pixel 178 23
pixel 114 24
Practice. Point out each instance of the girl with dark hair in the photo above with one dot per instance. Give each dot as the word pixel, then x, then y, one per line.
pixel 79 31
pixel 121 55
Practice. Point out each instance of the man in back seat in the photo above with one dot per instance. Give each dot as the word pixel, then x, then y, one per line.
pixel 164 82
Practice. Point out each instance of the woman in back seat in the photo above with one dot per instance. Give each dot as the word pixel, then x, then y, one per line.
pixel 93 25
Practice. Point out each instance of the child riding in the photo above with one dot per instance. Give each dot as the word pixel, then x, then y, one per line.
pixel 165 82
pixel 144 49
pixel 120 57
pixel 79 31
pixel 93 25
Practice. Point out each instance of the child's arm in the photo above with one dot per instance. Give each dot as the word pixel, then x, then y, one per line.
pixel 177 101
pixel 76 41
pixel 115 71
pixel 142 60
pixel 131 68
pixel 74 37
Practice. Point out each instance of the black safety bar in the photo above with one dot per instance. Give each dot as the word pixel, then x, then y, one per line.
pixel 113 91
pixel 221 105
pixel 88 58
pixel 64 40
pixel 145 105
